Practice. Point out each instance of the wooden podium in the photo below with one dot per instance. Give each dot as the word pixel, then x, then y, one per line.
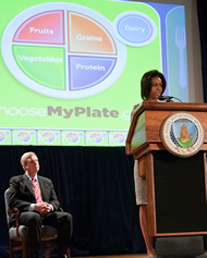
pixel 176 186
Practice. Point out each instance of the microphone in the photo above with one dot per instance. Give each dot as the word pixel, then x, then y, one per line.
pixel 162 97
pixel 168 98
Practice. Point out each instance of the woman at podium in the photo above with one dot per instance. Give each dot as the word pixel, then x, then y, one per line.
pixel 153 84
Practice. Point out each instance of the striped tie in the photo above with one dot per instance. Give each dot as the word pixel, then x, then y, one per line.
pixel 36 190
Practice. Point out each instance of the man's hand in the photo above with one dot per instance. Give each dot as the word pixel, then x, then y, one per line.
pixel 43 208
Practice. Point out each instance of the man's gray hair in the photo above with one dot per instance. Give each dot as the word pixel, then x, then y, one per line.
pixel 26 156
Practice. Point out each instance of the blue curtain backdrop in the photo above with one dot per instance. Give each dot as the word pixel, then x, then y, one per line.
pixel 94 184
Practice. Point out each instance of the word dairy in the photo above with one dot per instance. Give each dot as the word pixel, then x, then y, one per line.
pixel 134 28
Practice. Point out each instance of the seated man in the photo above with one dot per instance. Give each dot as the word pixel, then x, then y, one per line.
pixel 37 202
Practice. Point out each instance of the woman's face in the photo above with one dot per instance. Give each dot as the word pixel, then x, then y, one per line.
pixel 156 88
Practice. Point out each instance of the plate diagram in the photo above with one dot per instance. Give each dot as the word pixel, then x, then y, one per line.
pixel 63 50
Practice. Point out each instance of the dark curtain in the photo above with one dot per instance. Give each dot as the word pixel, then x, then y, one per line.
pixel 94 184
pixel 202 20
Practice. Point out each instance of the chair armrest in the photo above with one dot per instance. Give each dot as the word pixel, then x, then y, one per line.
pixel 14 214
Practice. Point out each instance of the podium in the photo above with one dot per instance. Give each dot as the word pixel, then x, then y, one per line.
pixel 176 182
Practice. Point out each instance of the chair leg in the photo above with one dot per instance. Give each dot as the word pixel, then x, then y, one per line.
pixel 24 248
pixel 68 252
pixel 47 251
pixel 11 243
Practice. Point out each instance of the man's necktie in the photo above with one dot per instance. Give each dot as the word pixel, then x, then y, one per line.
pixel 36 190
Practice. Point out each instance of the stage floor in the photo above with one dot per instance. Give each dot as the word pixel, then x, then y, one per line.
pixel 117 256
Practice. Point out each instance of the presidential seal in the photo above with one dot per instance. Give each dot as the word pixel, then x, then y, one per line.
pixel 182 134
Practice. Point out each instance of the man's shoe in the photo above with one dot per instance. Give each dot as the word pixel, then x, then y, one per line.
pixel 62 253
pixel 32 253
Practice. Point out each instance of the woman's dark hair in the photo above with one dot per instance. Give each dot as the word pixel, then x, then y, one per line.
pixel 146 83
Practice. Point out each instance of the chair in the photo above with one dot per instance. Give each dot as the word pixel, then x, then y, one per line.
pixel 17 232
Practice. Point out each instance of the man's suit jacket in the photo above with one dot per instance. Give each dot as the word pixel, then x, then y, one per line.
pixel 21 193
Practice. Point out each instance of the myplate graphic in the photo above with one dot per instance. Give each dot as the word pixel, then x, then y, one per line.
pixel 71 70
pixel 118 138
pixel 182 134
pixel 65 50
pixel 52 53
pixel 2 137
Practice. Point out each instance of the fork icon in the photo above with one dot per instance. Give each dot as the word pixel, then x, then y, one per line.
pixel 180 41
